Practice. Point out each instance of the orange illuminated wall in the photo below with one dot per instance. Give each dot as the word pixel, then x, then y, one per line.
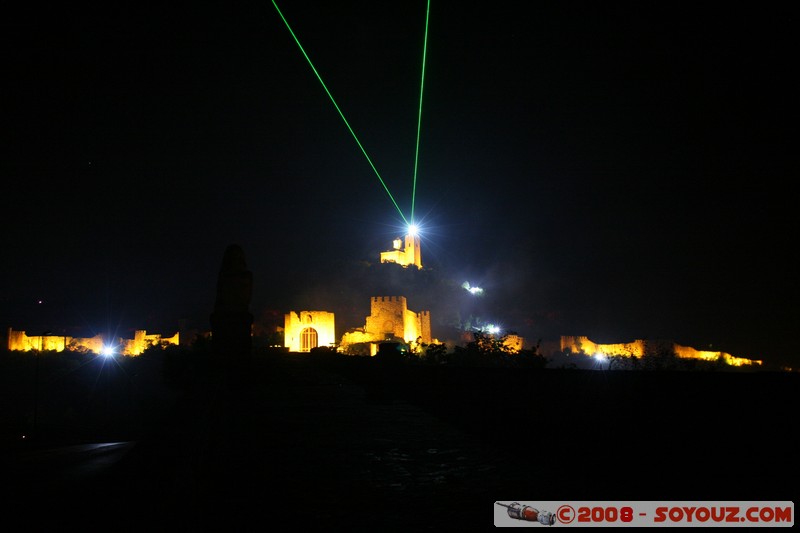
pixel 19 341
pixel 638 348
pixel 514 343
pixel 406 252
pixel 308 329
pixel 390 318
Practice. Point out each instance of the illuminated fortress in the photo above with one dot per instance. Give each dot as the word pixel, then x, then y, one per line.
pixel 638 348
pixel 389 320
pixel 18 340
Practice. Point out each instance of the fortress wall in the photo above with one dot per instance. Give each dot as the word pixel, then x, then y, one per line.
pixel 687 352
pixel 425 327
pixel 515 343
pixel 394 256
pixel 411 326
pixel 390 316
pixel 639 348
pixel 356 337
pixel 18 340
pixel 142 341
pixel 577 344
pixel 92 344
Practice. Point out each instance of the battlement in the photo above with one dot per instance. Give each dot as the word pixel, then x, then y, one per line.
pixel 389 299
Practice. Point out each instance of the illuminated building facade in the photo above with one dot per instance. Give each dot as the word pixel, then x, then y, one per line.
pixel 305 330
pixel 406 252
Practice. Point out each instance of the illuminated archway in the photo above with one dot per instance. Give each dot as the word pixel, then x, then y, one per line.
pixel 308 339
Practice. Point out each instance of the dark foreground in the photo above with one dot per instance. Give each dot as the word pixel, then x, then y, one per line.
pixel 326 441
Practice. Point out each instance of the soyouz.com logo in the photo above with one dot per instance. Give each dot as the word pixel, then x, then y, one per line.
pixel 645 514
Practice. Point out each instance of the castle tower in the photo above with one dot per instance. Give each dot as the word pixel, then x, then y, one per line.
pixel 406 252
pixel 425 327
pixel 387 317
pixel 413 252
pixel 390 317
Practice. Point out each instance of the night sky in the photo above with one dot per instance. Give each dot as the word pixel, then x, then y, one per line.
pixel 618 170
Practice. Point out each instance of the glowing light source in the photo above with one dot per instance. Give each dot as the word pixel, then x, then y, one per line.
pixel 413 229
pixel 107 351
pixel 471 289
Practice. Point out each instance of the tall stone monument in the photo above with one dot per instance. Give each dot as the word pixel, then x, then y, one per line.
pixel 231 320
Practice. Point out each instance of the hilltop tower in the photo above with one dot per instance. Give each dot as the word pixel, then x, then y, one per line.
pixel 406 251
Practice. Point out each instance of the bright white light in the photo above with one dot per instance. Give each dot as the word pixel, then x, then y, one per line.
pixel 107 351
pixel 600 357
pixel 491 328
pixel 472 290
pixel 413 229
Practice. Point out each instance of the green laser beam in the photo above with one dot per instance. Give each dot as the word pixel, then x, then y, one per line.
pixel 419 115
pixel 296 40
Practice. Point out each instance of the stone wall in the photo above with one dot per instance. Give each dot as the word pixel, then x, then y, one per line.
pixel 321 322
pixel 19 341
